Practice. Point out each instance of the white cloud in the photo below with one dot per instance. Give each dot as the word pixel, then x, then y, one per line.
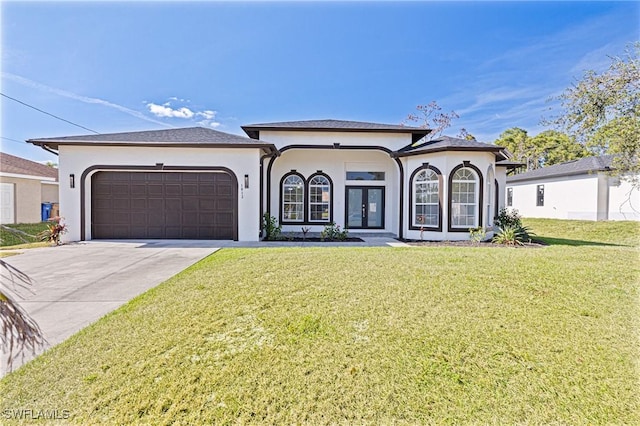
pixel 165 110
pixel 207 114
pixel 209 123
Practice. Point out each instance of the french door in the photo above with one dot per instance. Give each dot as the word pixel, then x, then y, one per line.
pixel 365 207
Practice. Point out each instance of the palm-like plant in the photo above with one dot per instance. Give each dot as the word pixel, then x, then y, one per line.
pixel 512 235
pixel 20 332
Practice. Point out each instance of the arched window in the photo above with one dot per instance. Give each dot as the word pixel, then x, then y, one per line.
pixel 426 198
pixel 319 198
pixel 292 196
pixel 465 200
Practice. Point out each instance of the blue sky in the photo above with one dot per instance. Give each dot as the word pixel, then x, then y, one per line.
pixel 123 66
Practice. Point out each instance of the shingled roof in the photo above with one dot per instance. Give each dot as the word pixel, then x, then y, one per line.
pixel 448 143
pixel 575 167
pixel 21 166
pixel 182 137
pixel 327 125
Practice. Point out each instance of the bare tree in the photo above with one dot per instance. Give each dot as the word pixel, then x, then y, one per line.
pixel 20 332
pixel 429 117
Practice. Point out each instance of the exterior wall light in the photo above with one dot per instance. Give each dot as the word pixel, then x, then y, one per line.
pixel 72 180
pixel 246 181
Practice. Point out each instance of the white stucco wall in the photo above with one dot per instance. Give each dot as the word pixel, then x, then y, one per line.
pixel 624 201
pixel 446 162
pixel 335 163
pixel 393 141
pixel 76 159
pixel 568 197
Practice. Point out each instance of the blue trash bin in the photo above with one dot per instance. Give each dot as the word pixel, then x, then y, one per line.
pixel 46 211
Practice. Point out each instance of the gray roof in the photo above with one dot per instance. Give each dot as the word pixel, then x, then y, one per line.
pixel 21 166
pixel 575 167
pixel 253 130
pixel 187 136
pixel 447 143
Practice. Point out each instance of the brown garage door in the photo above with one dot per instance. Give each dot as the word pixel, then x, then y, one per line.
pixel 172 205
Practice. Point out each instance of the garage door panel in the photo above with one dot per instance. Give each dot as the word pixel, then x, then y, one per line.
pixel 121 218
pixel 156 204
pixel 173 204
pixel 139 204
pixel 173 189
pixel 138 219
pixel 193 205
pixel 206 204
pixel 190 204
pixel 155 190
pixel 225 204
pixel 120 189
pixel 138 189
pixel 190 189
pixel 121 204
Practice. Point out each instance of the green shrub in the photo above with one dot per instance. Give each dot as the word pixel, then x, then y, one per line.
pixel 477 234
pixel 507 218
pixel 271 228
pixel 332 232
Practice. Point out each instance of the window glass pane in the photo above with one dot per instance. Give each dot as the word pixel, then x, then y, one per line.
pixel 293 199
pixel 365 175
pixel 464 207
pixel 426 200
pixel 319 199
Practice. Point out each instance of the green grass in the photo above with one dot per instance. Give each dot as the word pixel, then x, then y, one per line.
pixel 428 335
pixel 583 232
pixel 8 238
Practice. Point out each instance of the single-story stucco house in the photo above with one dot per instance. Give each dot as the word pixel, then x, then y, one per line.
pixel 578 189
pixel 198 183
pixel 24 186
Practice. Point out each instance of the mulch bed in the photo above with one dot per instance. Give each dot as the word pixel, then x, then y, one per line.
pixel 319 240
pixel 425 243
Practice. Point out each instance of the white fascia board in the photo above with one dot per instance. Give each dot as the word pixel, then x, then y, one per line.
pixel 16 175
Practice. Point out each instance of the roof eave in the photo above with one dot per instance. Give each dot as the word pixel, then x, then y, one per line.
pixel 429 151
pixel 254 131
pixel 54 144
pixel 517 178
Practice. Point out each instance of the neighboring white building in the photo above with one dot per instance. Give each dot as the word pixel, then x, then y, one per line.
pixel 24 186
pixel 198 183
pixel 578 189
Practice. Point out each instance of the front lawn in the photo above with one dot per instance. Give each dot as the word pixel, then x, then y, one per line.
pixel 27 235
pixel 436 335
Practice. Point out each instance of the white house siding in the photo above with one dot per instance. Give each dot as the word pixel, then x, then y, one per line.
pixel 446 162
pixel 567 197
pixel 335 163
pixel 76 159
pixel 624 201
pixel 392 141
pixel 26 199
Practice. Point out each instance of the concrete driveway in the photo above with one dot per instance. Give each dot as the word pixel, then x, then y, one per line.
pixel 77 284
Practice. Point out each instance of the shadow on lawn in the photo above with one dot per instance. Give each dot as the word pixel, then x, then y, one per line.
pixel 575 243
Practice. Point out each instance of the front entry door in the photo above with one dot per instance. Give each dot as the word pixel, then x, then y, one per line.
pixel 365 207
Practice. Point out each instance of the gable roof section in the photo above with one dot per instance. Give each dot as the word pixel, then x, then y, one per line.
pixel 22 166
pixel 570 168
pixel 448 143
pixel 253 130
pixel 182 137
